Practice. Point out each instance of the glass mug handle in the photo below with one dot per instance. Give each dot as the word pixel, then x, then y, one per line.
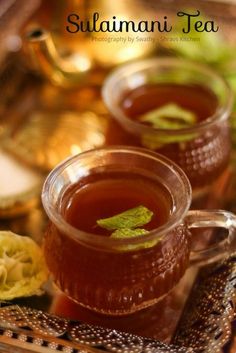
pixel 213 219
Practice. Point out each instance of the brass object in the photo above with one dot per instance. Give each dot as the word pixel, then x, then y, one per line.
pixel 66 72
pixel 71 59
pixel 83 67
pixel 48 138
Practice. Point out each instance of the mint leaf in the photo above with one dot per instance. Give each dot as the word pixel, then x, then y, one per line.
pixel 133 218
pixel 169 116
pixel 123 225
pixel 155 141
pixel 128 233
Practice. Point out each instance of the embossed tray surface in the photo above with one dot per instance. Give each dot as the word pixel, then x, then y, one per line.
pixel 38 328
pixel 197 316
pixel 205 326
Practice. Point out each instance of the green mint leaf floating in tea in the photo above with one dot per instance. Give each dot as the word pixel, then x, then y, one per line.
pixel 125 233
pixel 169 116
pixel 124 225
pixel 132 218
pixel 22 266
pixel 128 233
pixel 154 141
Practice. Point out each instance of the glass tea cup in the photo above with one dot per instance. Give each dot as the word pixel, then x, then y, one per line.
pixel 202 149
pixel 119 276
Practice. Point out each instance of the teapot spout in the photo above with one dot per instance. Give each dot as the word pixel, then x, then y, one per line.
pixel 61 71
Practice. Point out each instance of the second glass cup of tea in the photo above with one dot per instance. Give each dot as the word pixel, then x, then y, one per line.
pixel 177 108
pixel 120 237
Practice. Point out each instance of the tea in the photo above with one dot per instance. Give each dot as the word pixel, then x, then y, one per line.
pixel 203 154
pixel 194 98
pixel 104 195
pixel 120 280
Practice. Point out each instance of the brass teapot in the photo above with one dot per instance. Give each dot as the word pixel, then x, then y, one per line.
pixel 69 59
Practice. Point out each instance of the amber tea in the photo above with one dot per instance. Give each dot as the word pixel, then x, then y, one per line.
pixel 102 280
pixel 202 157
pixel 104 195
pixel 176 108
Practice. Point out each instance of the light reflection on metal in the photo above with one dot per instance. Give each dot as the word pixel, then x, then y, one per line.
pixel 75 149
pixel 74 57
pixel 61 71
pixel 48 138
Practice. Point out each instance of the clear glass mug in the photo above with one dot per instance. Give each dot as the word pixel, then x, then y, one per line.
pixel 201 150
pixel 122 276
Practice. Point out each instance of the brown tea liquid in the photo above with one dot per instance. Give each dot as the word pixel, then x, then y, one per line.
pixel 195 98
pixel 108 194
